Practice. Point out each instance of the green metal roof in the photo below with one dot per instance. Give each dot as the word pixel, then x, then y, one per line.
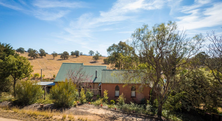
pixel 117 76
pixel 87 69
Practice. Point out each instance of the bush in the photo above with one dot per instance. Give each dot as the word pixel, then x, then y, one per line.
pixel 54 76
pixel 27 92
pixel 82 96
pixel 36 75
pixel 112 102
pixel 97 96
pixel 106 61
pixel 64 94
pixel 105 97
pixel 121 100
pixel 98 102
pixel 132 108
pixel 89 95
pixel 46 101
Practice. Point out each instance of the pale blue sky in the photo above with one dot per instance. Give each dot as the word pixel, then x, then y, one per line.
pixel 69 25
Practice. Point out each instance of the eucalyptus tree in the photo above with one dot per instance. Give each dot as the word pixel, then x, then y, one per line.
pixel 161 51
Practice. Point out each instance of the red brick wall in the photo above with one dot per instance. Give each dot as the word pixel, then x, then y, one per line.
pixel 126 90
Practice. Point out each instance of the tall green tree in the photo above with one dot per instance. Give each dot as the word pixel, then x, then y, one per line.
pixel 5 51
pixel 54 54
pixel 42 53
pixel 33 53
pixel 64 55
pixel 18 67
pixel 162 50
pixel 91 53
pixel 118 52
pixel 21 50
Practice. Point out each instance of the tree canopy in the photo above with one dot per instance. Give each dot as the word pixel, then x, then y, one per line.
pixel 18 67
pixel 54 54
pixel 64 55
pixel 77 53
pixel 42 53
pixel 97 56
pixel 21 50
pixel 117 54
pixel 161 52
pixel 5 51
pixel 91 53
pixel 33 53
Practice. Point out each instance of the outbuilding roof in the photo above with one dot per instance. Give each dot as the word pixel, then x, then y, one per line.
pixel 46 83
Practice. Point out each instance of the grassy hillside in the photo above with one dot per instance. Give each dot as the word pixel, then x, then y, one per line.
pixel 51 66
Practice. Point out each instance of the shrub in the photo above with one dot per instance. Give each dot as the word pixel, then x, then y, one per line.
pixel 106 61
pixel 121 99
pixel 112 102
pixel 64 94
pixel 82 96
pixel 98 102
pixel 105 97
pixel 46 101
pixel 36 75
pixel 27 92
pixel 97 96
pixel 54 76
pixel 89 95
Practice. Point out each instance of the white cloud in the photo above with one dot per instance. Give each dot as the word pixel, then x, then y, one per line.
pixel 11 6
pixel 49 10
pixel 48 15
pixel 56 4
pixel 201 17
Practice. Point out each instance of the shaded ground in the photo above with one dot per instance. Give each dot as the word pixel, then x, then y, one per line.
pixel 85 111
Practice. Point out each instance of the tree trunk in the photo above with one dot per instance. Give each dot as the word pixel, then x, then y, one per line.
pixel 159 112
pixel 14 87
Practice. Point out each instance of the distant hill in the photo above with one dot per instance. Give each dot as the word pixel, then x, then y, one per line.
pixel 51 66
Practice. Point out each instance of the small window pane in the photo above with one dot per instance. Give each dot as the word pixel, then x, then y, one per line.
pixel 116 93
pixel 133 93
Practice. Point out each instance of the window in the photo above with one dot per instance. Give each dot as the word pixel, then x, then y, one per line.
pixel 117 91
pixel 133 91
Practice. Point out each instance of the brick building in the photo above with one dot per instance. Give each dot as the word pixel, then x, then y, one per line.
pixel 103 79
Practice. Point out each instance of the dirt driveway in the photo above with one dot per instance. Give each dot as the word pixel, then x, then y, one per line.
pixel 6 119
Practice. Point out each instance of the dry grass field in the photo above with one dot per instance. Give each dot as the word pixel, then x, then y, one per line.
pixel 51 66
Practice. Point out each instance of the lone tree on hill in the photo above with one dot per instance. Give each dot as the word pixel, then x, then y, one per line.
pixel 54 54
pixel 77 53
pixel 97 56
pixel 33 53
pixel 91 52
pixel 64 55
pixel 72 53
pixel 42 52
pixel 21 50
pixel 29 50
